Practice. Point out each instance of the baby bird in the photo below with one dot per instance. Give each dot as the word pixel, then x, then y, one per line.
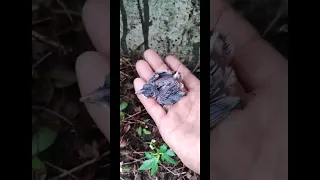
pixel 165 87
pixel 100 96
pixel 222 79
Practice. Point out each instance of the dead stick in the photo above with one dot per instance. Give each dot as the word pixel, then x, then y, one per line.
pixel 80 166
pixel 130 116
pixel 176 174
pixel 46 40
pixel 59 169
pixel 41 60
pixel 53 113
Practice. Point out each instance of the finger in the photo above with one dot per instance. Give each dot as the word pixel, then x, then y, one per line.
pixel 91 68
pixel 144 70
pixel 152 107
pixel 189 79
pixel 256 62
pixel 96 19
pixel 155 61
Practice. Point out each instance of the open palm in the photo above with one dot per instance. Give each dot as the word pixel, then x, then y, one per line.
pixel 180 125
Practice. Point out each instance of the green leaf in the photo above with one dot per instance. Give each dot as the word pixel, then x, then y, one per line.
pixel 147 164
pixel 168 159
pixel 146 132
pixel 139 130
pixel 125 169
pixel 163 148
pixel 146 120
pixel 43 139
pixel 154 167
pixel 149 155
pixel 121 114
pixel 170 152
pixel 39 170
pixel 123 106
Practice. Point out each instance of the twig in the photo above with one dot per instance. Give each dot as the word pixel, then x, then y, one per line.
pixel 173 172
pixel 65 9
pixel 146 123
pixel 59 169
pixel 198 64
pixel 80 166
pixel 136 160
pixel 123 80
pixel 41 60
pixel 279 14
pixel 53 113
pixel 125 74
pixel 46 40
pixel 41 21
pixel 59 11
pixel 130 116
pixel 126 97
pixel 127 62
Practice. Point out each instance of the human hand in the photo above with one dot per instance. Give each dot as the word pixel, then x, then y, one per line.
pixel 252 143
pixel 92 67
pixel 180 125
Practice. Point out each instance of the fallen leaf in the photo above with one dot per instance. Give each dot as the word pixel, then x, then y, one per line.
pixel 128 85
pixel 137 109
pixel 126 128
pixel 283 28
pixel 89 151
pixel 43 139
pixel 194 177
pixel 188 175
pixel 123 143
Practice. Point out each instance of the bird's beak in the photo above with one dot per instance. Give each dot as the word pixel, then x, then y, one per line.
pixel 95 96
pixel 140 91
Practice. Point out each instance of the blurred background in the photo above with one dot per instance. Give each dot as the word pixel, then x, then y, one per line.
pixel 66 144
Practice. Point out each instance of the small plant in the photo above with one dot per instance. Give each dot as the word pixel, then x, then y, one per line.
pixel 42 140
pixel 123 106
pixel 154 159
pixel 141 131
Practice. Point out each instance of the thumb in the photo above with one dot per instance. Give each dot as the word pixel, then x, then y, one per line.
pixel 91 69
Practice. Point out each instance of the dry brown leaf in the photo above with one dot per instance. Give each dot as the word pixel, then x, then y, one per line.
pixel 194 177
pixel 283 28
pixel 128 85
pixel 123 143
pixel 137 109
pixel 188 175
pixel 126 128
pixel 89 151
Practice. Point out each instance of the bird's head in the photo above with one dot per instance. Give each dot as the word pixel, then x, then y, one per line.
pixel 148 91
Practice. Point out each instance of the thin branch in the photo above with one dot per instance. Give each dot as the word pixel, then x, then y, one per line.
pixel 41 21
pixel 87 163
pixel 274 21
pixel 46 40
pixel 59 169
pixel 176 174
pixel 41 60
pixel 59 11
pixel 53 113
pixel 65 9
pixel 130 116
